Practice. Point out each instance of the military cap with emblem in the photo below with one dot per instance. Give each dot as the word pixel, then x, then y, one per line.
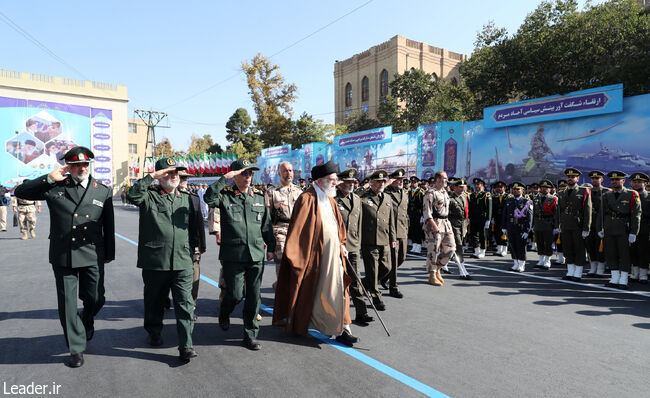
pixel 378 175
pixel 349 175
pixel 432 180
pixel 325 169
pixel 534 185
pixel 399 173
pixel 499 184
pixel 546 184
pixel 517 185
pixel 414 179
pixel 165 163
pixel 78 154
pixel 243 164
pixel 596 174
pixel 477 180
pixel 572 172
pixel 616 175
pixel 561 183
pixel 301 180
pixel 452 181
pixel 638 176
pixel 184 174
pixel 461 182
pixel 365 180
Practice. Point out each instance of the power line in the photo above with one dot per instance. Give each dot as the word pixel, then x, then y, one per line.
pixel 273 55
pixel 38 44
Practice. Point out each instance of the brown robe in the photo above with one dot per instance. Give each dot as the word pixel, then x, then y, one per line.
pixel 300 265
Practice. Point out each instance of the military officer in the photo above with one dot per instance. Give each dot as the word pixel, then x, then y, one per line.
pixel 26 210
pixel 459 218
pixel 573 219
pixel 245 230
pixel 499 197
pixel 639 250
pixel 593 242
pixel 437 229
pixel 415 232
pixel 544 209
pixel 349 204
pixel 517 222
pixel 619 227
pixel 167 239
pixel 280 200
pixel 377 234
pixel 480 214
pixel 82 240
pixel 399 195
pixel 561 185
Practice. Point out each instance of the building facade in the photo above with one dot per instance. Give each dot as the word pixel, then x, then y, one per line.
pixel 361 82
pixel 55 114
pixel 137 142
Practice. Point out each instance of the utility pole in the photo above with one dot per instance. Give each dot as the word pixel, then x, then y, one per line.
pixel 151 120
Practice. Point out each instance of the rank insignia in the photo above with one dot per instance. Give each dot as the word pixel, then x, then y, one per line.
pixel 98 203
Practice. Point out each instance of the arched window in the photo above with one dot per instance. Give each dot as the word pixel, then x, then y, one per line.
pixel 348 95
pixel 383 84
pixel 365 89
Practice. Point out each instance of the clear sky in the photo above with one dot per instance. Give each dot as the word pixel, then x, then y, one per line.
pixel 184 58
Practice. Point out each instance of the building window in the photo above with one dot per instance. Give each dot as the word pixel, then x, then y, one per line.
pixel 365 89
pixel 348 95
pixel 133 148
pixel 133 128
pixel 383 84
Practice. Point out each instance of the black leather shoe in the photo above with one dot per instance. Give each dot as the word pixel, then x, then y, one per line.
pixel 154 340
pixel 623 287
pixel 592 275
pixel 363 319
pixel 466 277
pixel 643 281
pixel 384 285
pixel 251 344
pixel 76 360
pixel 347 339
pixel 394 292
pixel 185 354
pixel 567 278
pixel 609 284
pixel 90 333
pixel 445 271
pixel 379 305
pixel 576 279
pixel 224 322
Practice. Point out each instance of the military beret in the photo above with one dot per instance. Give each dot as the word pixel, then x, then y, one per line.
pixel 546 184
pixel 324 169
pixel 516 185
pixel 378 175
pixel 596 174
pixel 572 172
pixel 165 163
pixel 78 154
pixel 616 175
pixel 638 176
pixel 243 164
pixel 348 175
pixel 399 173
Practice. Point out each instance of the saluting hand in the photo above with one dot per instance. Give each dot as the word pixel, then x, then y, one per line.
pixel 232 173
pixel 59 174
pixel 162 173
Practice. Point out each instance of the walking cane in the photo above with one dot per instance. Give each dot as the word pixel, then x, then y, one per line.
pixel 365 292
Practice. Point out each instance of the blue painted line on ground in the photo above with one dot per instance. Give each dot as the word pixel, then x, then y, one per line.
pixel 373 363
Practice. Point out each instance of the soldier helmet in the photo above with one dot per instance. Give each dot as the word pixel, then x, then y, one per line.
pixel 572 172
pixel 638 176
pixel 616 175
pixel 78 154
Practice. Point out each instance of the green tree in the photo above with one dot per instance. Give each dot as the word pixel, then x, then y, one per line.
pixel 163 148
pixel 414 89
pixel 238 125
pixel 200 145
pixel 389 114
pixel 307 129
pixel 241 152
pixel 272 99
pixel 359 121
pixel 451 101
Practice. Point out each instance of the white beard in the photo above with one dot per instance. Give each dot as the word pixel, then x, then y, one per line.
pixel 80 179
pixel 329 189
pixel 167 184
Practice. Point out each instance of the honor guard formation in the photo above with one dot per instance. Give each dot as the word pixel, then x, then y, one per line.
pixel 336 242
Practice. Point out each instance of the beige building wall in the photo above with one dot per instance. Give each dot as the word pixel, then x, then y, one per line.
pixel 137 141
pixel 395 56
pixel 40 87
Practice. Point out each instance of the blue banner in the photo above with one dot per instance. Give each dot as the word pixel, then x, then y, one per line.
pixel 596 101
pixel 282 150
pixel 450 148
pixel 427 162
pixel 368 137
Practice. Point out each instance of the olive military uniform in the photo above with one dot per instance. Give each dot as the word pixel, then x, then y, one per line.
pixel 458 218
pixel 398 253
pixel 82 239
pixel 167 236
pixel 573 217
pixel 245 228
pixel 415 232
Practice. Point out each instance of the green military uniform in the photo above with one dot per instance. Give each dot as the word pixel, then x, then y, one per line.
pixel 378 232
pixel 458 218
pixel 574 221
pixel 619 227
pixel 245 228
pixel 82 240
pixel 167 236
pixel 593 242
pixel 640 256
pixel 544 209
pixel 498 201
pixel 400 209
pixel 350 208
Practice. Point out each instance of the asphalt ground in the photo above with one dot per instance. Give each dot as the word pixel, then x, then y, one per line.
pixel 502 334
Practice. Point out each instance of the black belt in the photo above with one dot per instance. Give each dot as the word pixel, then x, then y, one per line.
pixel 440 217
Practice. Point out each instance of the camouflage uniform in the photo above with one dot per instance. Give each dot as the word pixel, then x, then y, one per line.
pixel 26 215
pixel 440 245
pixel 280 200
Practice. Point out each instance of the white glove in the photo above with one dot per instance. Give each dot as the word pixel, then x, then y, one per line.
pixel 524 235
pixel 632 238
pixel 487 224
pixel 601 234
pixel 585 234
pixel 505 231
pixel 556 231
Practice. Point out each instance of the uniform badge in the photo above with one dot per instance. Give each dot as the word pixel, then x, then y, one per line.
pixel 171 162
pixel 98 203
pixel 246 163
pixel 94 184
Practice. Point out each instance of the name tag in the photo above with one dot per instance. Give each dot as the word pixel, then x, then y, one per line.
pixel 258 205
pixel 259 216
pixel 98 203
